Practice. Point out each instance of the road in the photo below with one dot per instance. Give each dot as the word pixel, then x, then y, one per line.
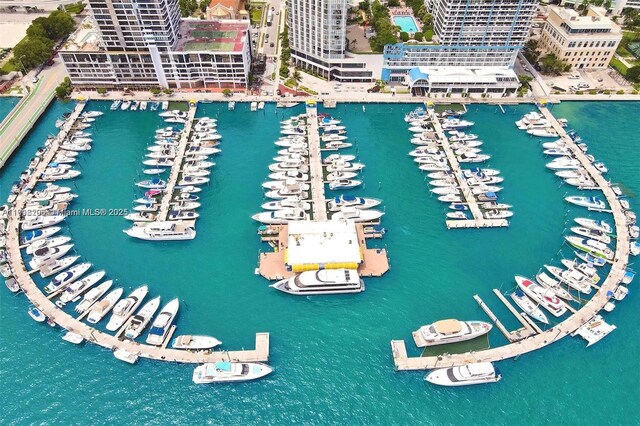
pixel 40 4
pixel 18 123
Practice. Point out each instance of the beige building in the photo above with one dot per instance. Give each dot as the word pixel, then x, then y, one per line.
pixel 583 41
pixel 226 9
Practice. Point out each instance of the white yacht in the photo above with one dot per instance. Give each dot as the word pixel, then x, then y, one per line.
pixel 572 278
pixel 591 234
pixel 41 222
pixel 464 375
pixel 293 202
pixel 357 215
pixel 162 231
pixel 220 372
pixel 74 290
pixel 544 296
pixel 139 321
pixel 65 278
pixel 449 331
pixel 594 247
pixel 350 201
pixel 45 255
pixel 528 306
pixel 101 308
pixel 57 265
pixel 93 295
pixel 324 281
pixel 280 216
pixel 546 281
pixel 597 225
pixel 125 307
pixel 195 343
pixel 162 323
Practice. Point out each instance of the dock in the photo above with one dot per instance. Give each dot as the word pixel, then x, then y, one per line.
pixel 318 204
pixel 176 169
pixel 478 220
pixel 92 335
pixel 540 340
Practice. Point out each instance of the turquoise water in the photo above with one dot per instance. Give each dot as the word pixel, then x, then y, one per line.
pixel 6 105
pixel 406 23
pixel 332 354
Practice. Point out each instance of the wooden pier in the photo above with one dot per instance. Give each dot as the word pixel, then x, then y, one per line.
pixel 66 321
pixel 478 220
pixel 619 265
pixel 315 166
pixel 176 169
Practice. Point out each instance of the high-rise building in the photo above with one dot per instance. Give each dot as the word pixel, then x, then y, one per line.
pixel 144 43
pixel 318 40
pixel 469 35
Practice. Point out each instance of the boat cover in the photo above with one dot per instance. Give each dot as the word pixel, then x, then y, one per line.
pixel 449 326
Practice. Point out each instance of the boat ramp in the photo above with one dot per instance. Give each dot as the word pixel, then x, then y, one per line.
pixel 586 314
pixel 123 348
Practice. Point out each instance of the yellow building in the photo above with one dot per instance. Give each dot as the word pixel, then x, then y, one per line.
pixel 583 41
pixel 226 9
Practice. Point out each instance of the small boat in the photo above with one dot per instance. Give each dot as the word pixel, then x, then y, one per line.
pixel 591 234
pixel 544 296
pixel 184 205
pixel 164 105
pixel 590 259
pixel 63 279
pixel 74 290
pixel 125 308
pixel 464 375
pixel 195 343
pixel 594 247
pixel 231 106
pixel 57 265
pixel 146 208
pixel 126 356
pixel 350 201
pixel 528 306
pixel 472 157
pixel 182 215
pixel 115 105
pixel 140 217
pixel 41 222
pixel 280 216
pixel 573 279
pixel 492 205
pixel 93 295
pixel 154 183
pixel 545 132
pixel 564 163
pixel 162 323
pixel 588 202
pixel 596 225
pixel 36 315
pixel 139 321
pixel 125 105
pixel 143 105
pixel 292 202
pixel 72 337
pixel 47 243
pixel 254 106
pixel 101 308
pixel 192 180
pixel 12 284
pixel 344 184
pixel 587 270
pixel 449 331
pixel 324 281
pixel 457 215
pixel 600 167
pixel 497 214
pixel 154 106
pixel 220 372
pixel 357 215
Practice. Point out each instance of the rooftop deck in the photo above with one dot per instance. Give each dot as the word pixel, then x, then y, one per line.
pixel 212 36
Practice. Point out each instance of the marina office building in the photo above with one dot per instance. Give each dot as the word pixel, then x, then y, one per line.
pixel 144 43
pixel 318 40
pixel 475 45
pixel 583 41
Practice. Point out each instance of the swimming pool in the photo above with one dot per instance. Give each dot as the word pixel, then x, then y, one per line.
pixel 406 23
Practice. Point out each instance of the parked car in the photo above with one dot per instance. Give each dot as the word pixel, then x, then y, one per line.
pixel 271 44
pixel 583 85
pixel 574 76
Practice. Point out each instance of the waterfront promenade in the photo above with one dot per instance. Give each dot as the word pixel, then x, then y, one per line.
pixel 27 112
pixel 618 268
pixel 66 321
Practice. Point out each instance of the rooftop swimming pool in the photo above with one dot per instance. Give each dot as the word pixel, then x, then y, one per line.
pixel 406 23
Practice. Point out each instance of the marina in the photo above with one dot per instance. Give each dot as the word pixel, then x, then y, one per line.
pixel 409 296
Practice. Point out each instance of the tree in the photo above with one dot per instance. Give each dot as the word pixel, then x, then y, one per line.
pixel 531 52
pixel 36 29
pixel 58 24
pixel 226 93
pixel 63 91
pixel 101 91
pixel 297 78
pixel 393 3
pixel 404 36
pixel 419 36
pixel 32 51
pixel 525 81
pixel 427 20
pixel 550 64
pixel 385 31
pixel 155 91
pixel 364 5
pixel 633 74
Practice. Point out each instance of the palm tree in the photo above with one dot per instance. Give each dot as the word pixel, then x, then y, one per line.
pixel 297 78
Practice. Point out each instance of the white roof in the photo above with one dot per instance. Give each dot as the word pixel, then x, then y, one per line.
pixel 322 242
pixel 465 75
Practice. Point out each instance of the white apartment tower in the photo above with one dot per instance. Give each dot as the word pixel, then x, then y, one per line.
pixel 318 39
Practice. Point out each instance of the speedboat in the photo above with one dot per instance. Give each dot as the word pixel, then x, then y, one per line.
pixel 456 123
pixel 544 132
pixel 280 216
pixel 41 222
pixel 324 281
pixel 424 150
pixel 464 375
pixel 47 243
pixel 162 323
pixel 545 297
pixel 154 183
pixel 497 214
pixel 162 231
pixel 146 208
pixel 184 205
pixel 357 215
pixel 43 256
pixel 140 217
pixel 188 180
pixel 134 106
pixel 590 259
pixel 564 163
pixel 219 372
pixel 57 265
pixel 336 145
pixel 12 284
pixel 36 315
pixel 457 215
pixel 101 308
pixel 139 321
pixel 286 192
pixel 182 215
pixel 115 105
pixel 591 234
pixel 457 136
pixel 290 174
pixel 492 205
pixel 573 279
pixel 596 225
pixel 75 289
pixel 195 343
pixel 93 295
pixel 334 176
pixel 292 202
pixel 588 202
pixel 587 270
pixel 279 184
pixel 63 279
pixel 546 281
pixel 344 166
pixel 349 200
pixel 125 308
pixel 472 157
pixel 449 331
pixel 528 306
pixel 344 184
pixel 594 247
pixel 158 162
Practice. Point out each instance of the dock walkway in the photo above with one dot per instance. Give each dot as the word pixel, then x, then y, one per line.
pixel 403 362
pixel 478 220
pixel 68 322
pixel 177 166
pixel 315 166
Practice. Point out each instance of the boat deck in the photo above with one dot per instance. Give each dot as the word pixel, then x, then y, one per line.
pixel 315 166
pixel 403 361
pixel 478 220
pixel 68 322
pixel 163 211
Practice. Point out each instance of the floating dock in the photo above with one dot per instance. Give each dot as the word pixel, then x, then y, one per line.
pixel 66 321
pixel 478 220
pixel 403 361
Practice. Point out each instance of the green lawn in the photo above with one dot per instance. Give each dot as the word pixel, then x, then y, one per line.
pixel 74 8
pixel 8 67
pixel 256 15
pixel 619 66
